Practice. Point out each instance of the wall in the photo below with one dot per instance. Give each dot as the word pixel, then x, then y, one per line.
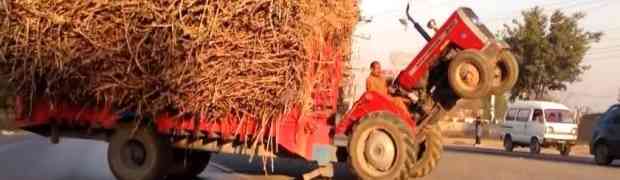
pixel 586 124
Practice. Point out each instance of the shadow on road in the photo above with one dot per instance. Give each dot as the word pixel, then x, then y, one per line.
pixel 527 155
pixel 286 168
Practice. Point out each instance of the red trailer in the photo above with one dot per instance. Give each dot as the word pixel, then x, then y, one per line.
pixel 377 139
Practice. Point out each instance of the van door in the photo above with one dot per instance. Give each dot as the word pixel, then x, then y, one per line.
pixel 535 125
pixel 510 122
pixel 522 124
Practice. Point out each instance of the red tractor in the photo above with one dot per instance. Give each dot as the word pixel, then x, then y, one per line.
pixel 377 139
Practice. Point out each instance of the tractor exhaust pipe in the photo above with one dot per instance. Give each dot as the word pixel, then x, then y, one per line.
pixel 417 25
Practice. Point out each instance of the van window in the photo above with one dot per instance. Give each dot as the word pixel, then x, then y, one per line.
pixel 512 114
pixel 538 116
pixel 524 115
pixel 559 116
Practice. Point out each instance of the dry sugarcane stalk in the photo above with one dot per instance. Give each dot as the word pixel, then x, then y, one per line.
pixel 250 58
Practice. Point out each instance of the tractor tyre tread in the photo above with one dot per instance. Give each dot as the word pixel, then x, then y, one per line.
pixel 411 148
pixel 433 151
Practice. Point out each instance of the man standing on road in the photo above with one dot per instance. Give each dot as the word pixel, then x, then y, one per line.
pixel 477 130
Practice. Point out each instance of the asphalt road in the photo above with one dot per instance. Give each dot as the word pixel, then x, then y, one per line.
pixel 33 158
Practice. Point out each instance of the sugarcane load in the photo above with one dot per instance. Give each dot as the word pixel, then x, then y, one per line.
pixel 253 77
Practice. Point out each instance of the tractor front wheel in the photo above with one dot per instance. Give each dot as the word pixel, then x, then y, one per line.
pixel 469 75
pixel 505 73
pixel 381 147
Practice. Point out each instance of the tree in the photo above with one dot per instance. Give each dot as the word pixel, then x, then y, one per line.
pixel 550 51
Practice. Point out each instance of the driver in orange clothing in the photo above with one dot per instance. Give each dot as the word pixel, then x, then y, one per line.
pixel 377 82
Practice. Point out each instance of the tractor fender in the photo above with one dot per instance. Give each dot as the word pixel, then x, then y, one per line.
pixel 372 102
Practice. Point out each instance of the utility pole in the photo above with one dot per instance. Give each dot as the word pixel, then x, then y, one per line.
pixel 492 109
pixel 618 98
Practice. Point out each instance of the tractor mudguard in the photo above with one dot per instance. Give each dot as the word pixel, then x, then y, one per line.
pixel 372 102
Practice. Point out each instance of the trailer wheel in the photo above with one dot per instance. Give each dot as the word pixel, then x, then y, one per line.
pixel 381 147
pixel 189 164
pixel 469 75
pixel 505 73
pixel 139 155
pixel 430 152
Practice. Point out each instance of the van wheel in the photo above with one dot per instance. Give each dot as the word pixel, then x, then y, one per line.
pixel 535 146
pixel 505 73
pixel 139 154
pixel 565 150
pixel 601 154
pixel 469 75
pixel 381 147
pixel 508 144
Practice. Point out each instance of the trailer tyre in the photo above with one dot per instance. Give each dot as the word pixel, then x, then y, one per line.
pixel 381 147
pixel 505 73
pixel 189 164
pixel 139 155
pixel 469 75
pixel 430 152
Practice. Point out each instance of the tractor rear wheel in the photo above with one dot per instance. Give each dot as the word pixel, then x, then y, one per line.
pixel 139 154
pixel 469 75
pixel 505 73
pixel 430 152
pixel 381 147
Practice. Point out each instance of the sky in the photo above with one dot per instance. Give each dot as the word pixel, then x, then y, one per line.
pixel 385 37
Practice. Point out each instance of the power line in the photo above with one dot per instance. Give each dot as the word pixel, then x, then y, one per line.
pixel 599 55
pixel 513 13
pixel 587 94
pixel 604 51
pixel 609 46
pixel 573 4
pixel 577 5
pixel 601 59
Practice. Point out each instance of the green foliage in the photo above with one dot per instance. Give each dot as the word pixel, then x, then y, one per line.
pixel 550 51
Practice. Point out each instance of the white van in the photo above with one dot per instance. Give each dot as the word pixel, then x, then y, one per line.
pixel 537 124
